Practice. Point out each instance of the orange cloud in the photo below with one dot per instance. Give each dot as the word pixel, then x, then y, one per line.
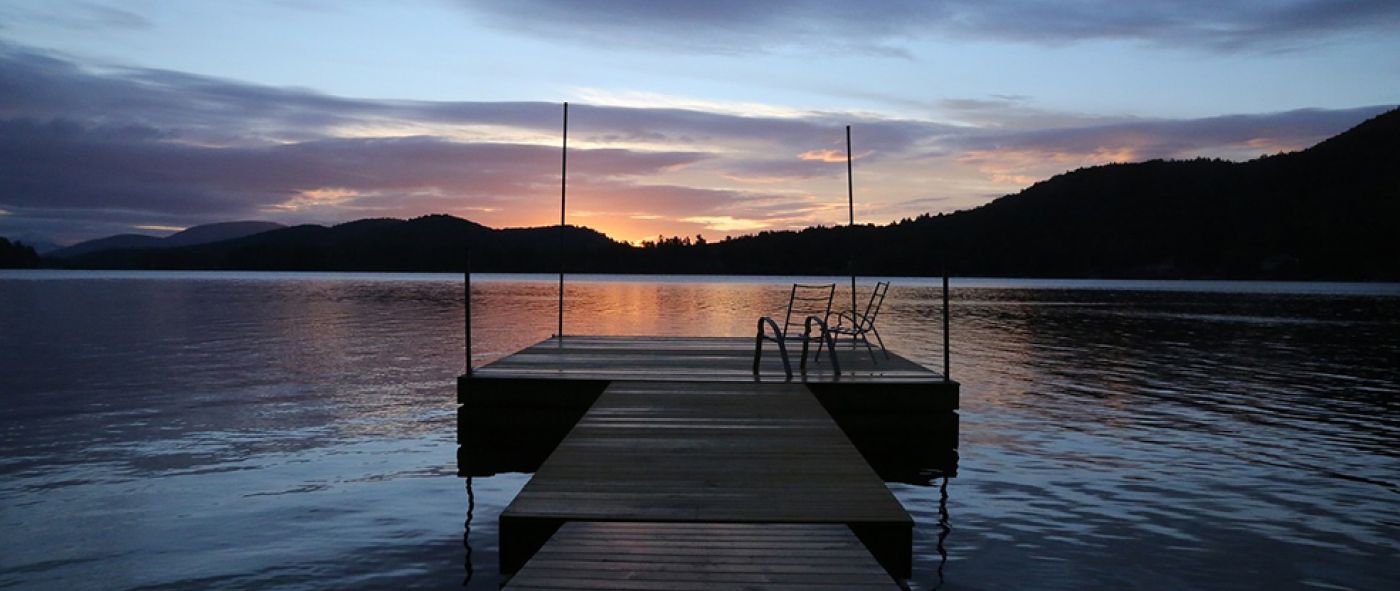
pixel 724 223
pixel 1272 145
pixel 831 156
pixel 1023 167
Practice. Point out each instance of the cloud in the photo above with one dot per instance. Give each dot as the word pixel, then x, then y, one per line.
pixel 214 111
pixel 88 150
pixel 77 16
pixel 1017 158
pixel 64 164
pixel 724 223
pixel 715 26
pixel 1176 138
pixel 889 26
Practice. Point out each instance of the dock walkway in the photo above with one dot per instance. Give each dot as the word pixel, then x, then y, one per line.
pixel 585 555
pixel 707 452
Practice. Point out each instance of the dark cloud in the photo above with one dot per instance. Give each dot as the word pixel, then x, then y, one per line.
pixel 883 26
pixel 217 111
pixel 101 147
pixel 61 164
pixel 194 149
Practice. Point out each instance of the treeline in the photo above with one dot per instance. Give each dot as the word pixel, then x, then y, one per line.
pixel 17 255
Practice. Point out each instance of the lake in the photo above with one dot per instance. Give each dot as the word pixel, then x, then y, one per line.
pixel 255 430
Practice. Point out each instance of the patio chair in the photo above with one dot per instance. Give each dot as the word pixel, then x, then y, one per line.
pixel 807 305
pixel 857 328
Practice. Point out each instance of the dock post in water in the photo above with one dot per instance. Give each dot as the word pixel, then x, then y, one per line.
pixel 466 311
pixel 851 225
pixel 563 192
pixel 946 371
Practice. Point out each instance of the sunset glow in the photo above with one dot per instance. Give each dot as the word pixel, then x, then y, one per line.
pixel 147 116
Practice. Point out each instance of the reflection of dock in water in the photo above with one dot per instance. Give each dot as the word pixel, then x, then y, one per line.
pixel 679 430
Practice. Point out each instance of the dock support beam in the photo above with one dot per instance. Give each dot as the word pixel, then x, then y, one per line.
pixel 563 191
pixel 947 373
pixel 466 314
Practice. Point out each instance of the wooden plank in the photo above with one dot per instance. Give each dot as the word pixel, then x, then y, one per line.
pixel 669 556
pixel 711 453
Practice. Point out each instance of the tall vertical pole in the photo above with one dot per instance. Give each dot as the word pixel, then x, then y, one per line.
pixel 466 320
pixel 563 184
pixel 946 371
pixel 851 234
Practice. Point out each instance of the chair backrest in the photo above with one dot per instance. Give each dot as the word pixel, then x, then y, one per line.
pixel 872 308
pixel 808 300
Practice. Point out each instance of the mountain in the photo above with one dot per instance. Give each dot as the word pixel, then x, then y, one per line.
pixel 39 243
pixel 218 232
pixel 109 243
pixel 1329 212
pixel 429 243
pixel 196 235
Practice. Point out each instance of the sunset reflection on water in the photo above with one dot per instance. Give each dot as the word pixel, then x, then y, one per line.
pixel 251 430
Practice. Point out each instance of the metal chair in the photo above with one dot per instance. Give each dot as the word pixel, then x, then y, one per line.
pixel 857 327
pixel 807 305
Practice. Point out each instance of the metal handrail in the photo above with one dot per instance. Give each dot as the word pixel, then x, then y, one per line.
pixel 778 338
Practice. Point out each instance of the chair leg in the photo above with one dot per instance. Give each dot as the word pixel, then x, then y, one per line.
pixel 869 348
pixel 831 350
pixel 757 349
pixel 881 341
pixel 802 366
pixel 787 365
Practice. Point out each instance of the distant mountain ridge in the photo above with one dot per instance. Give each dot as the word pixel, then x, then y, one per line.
pixel 428 243
pixel 189 237
pixel 1329 212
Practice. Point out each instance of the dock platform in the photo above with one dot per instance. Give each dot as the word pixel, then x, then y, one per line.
pixel 572 371
pixel 585 555
pixel 683 359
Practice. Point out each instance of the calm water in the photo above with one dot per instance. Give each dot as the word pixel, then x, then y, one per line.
pixel 176 431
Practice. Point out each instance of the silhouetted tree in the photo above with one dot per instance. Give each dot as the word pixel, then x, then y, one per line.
pixel 17 255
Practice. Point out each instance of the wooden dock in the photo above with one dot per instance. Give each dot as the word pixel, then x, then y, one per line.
pixel 707 453
pixel 585 555
pixel 680 431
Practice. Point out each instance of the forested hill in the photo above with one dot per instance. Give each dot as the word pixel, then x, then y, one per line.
pixel 1329 212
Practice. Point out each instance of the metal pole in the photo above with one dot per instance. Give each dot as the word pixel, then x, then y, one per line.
pixel 563 184
pixel 467 317
pixel 851 238
pixel 946 371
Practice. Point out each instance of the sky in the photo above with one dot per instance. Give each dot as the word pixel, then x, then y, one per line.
pixel 718 118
